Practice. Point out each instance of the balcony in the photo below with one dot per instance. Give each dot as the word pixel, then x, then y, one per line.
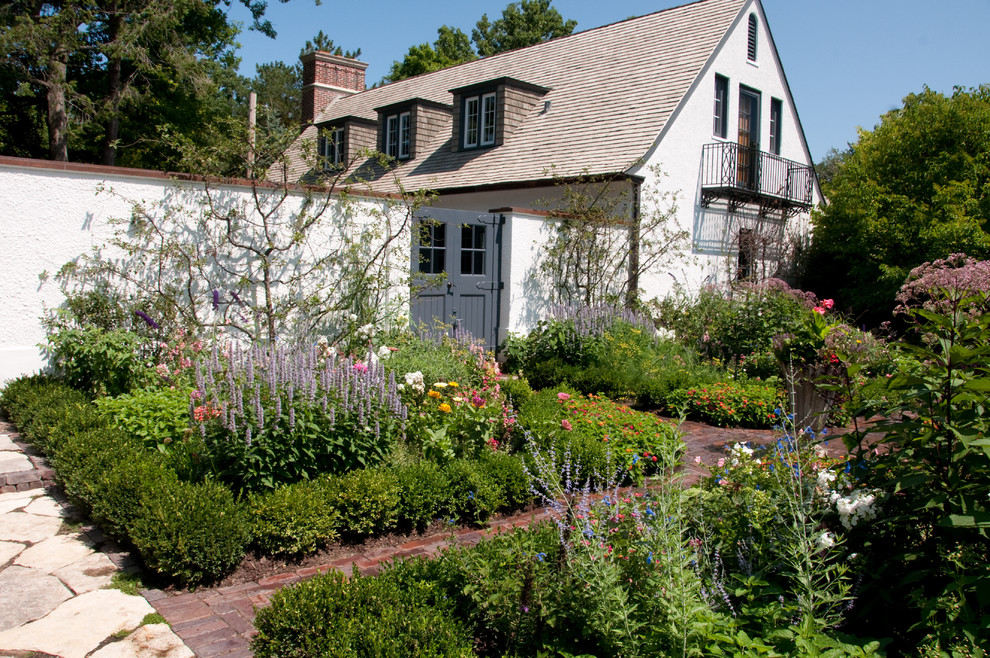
pixel 743 174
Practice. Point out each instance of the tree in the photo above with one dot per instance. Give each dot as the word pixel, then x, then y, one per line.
pixel 451 47
pixel 610 233
pixel 325 44
pixel 522 24
pixel 99 62
pixel 916 188
pixel 279 87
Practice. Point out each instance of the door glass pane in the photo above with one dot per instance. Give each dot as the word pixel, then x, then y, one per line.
pixel 473 250
pixel 432 247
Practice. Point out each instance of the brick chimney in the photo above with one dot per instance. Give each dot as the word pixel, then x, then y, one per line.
pixel 326 78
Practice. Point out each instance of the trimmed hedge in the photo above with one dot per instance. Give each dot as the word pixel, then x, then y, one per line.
pixel 388 615
pixel 295 518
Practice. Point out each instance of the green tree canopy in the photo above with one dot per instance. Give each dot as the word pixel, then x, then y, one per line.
pixel 522 24
pixel 916 188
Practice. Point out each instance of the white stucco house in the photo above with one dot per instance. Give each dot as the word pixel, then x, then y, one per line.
pixel 696 91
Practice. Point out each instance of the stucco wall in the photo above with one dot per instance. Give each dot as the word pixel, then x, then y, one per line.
pixel 53 213
pixel 678 154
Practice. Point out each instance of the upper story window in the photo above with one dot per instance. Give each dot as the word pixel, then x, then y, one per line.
pixel 721 128
pixel 751 43
pixel 776 110
pixel 480 115
pixel 331 148
pixel 397 136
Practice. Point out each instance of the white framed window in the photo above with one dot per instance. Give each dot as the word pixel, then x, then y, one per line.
pixel 480 117
pixel 331 148
pixel 721 128
pixel 397 135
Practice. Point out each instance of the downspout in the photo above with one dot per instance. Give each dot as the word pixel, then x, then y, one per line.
pixel 632 280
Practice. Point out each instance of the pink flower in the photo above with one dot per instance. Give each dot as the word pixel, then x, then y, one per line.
pixel 477 401
pixel 721 463
pixel 566 425
pixel 819 310
pixel 828 303
pixel 360 367
pixel 697 460
pixel 562 397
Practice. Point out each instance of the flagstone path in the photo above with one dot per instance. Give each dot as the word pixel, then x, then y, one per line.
pixel 53 575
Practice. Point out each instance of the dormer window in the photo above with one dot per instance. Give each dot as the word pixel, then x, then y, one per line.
pixel 397 136
pixel 331 148
pixel 480 114
pixel 485 113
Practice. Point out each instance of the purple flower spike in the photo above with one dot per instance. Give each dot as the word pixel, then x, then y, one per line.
pixel 216 299
pixel 144 316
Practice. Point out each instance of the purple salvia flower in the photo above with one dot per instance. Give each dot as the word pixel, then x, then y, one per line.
pixel 292 417
pixel 278 407
pixel 247 436
pixel 216 299
pixel 236 298
pixel 333 417
pixel 147 319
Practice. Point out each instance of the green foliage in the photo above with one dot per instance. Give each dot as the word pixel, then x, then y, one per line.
pixel 424 493
pixel 157 416
pixel 522 24
pixel 927 551
pixel 911 190
pixel 191 532
pixel 516 389
pixel 104 362
pixel 732 404
pixel 475 494
pixel 293 519
pixel 388 615
pixel 451 47
pixel 445 360
pixel 44 408
pixel 366 499
pixel 737 325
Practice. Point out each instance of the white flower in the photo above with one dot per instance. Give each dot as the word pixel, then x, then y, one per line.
pixel 825 478
pixel 414 380
pixel 825 540
pixel 857 506
pixel 440 385
pixel 384 352
pixel 367 330
pixel 352 317
pixel 401 387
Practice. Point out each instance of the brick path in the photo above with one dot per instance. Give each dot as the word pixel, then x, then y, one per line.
pixel 219 621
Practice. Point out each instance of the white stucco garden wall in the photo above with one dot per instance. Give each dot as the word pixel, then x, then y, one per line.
pixel 53 213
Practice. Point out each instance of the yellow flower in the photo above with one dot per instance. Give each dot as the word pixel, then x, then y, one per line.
pixel 434 394
pixel 445 407
pixel 454 384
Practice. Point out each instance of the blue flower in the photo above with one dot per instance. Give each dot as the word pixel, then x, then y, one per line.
pixel 540 556
pixel 470 495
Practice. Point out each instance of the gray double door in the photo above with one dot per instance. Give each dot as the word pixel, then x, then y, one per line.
pixel 456 266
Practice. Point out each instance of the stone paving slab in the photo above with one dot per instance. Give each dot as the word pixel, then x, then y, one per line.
pixel 45 506
pixel 93 572
pixel 54 553
pixel 156 640
pixel 80 624
pixel 26 595
pixel 6 443
pixel 14 462
pixel 10 550
pixel 20 527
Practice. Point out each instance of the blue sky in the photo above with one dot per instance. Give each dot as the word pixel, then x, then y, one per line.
pixel 847 61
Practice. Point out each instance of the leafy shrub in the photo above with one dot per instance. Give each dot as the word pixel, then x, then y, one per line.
pixel 101 361
pixel 52 410
pixel 157 416
pixel 516 389
pixel 366 499
pixel 731 404
pixel 424 493
pixel 295 518
pixel 737 324
pixel 510 474
pixel 27 397
pixel 191 532
pixel 446 360
pixel 331 615
pixel 474 494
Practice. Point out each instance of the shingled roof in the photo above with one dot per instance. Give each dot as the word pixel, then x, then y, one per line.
pixel 612 90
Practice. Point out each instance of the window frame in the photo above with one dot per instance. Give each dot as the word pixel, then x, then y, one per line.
pixel 776 118
pixel 480 123
pixel 721 110
pixel 331 147
pixel 397 137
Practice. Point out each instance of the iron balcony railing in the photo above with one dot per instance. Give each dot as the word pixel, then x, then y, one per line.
pixel 743 172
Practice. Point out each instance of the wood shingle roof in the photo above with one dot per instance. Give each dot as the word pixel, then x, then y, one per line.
pixel 612 90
